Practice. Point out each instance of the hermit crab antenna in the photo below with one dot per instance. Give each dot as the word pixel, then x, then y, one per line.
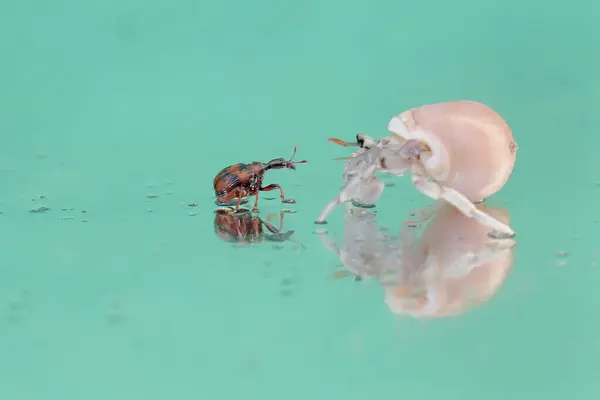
pixel 342 142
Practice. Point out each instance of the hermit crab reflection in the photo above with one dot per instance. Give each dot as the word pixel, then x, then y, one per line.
pixel 450 267
pixel 242 227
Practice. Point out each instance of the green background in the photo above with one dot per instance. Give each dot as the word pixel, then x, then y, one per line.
pixel 103 104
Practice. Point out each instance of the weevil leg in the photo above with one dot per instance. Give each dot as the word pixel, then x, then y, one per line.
pixel 240 198
pixel 270 227
pixel 275 186
pixel 270 217
pixel 255 209
pixel 256 226
pixel 461 202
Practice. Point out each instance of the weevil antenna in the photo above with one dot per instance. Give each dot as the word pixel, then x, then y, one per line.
pixel 294 155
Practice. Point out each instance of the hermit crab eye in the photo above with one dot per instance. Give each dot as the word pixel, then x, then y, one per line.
pixel 360 140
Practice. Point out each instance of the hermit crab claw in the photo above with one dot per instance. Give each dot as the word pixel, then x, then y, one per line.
pixel 357 190
pixel 360 184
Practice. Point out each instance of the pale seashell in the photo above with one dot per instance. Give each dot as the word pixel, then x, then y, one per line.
pixel 472 148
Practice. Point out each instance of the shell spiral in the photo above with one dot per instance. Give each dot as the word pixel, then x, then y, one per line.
pixel 472 147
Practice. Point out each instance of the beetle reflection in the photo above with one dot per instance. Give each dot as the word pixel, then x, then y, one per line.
pixel 243 227
pixel 453 265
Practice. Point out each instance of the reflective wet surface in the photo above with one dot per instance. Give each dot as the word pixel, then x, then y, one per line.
pixel 120 279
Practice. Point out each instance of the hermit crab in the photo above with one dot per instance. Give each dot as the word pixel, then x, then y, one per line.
pixel 459 151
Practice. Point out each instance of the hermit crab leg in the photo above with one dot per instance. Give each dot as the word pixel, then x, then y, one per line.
pixel 360 184
pixel 461 202
pixel 342 197
pixel 329 244
pixel 468 261
pixel 363 187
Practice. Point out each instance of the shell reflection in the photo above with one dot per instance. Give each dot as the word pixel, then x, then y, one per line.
pixel 449 266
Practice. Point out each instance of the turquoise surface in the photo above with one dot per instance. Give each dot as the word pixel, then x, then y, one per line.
pixel 116 116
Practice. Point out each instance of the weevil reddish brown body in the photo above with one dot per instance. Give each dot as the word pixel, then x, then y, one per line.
pixel 242 227
pixel 244 180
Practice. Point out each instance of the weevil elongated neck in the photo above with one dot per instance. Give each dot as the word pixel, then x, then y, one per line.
pixel 277 163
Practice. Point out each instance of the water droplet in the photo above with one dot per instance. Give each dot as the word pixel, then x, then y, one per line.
pixel 561 263
pixel 267 274
pixel 115 314
pixel 14 305
pixel 39 210
pixel 13 318
pixel 115 318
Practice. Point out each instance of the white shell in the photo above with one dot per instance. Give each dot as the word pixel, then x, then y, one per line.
pixel 472 148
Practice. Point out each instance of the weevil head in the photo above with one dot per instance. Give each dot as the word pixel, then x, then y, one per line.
pixel 279 163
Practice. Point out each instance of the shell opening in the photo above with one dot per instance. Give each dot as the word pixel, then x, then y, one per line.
pixel 435 161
